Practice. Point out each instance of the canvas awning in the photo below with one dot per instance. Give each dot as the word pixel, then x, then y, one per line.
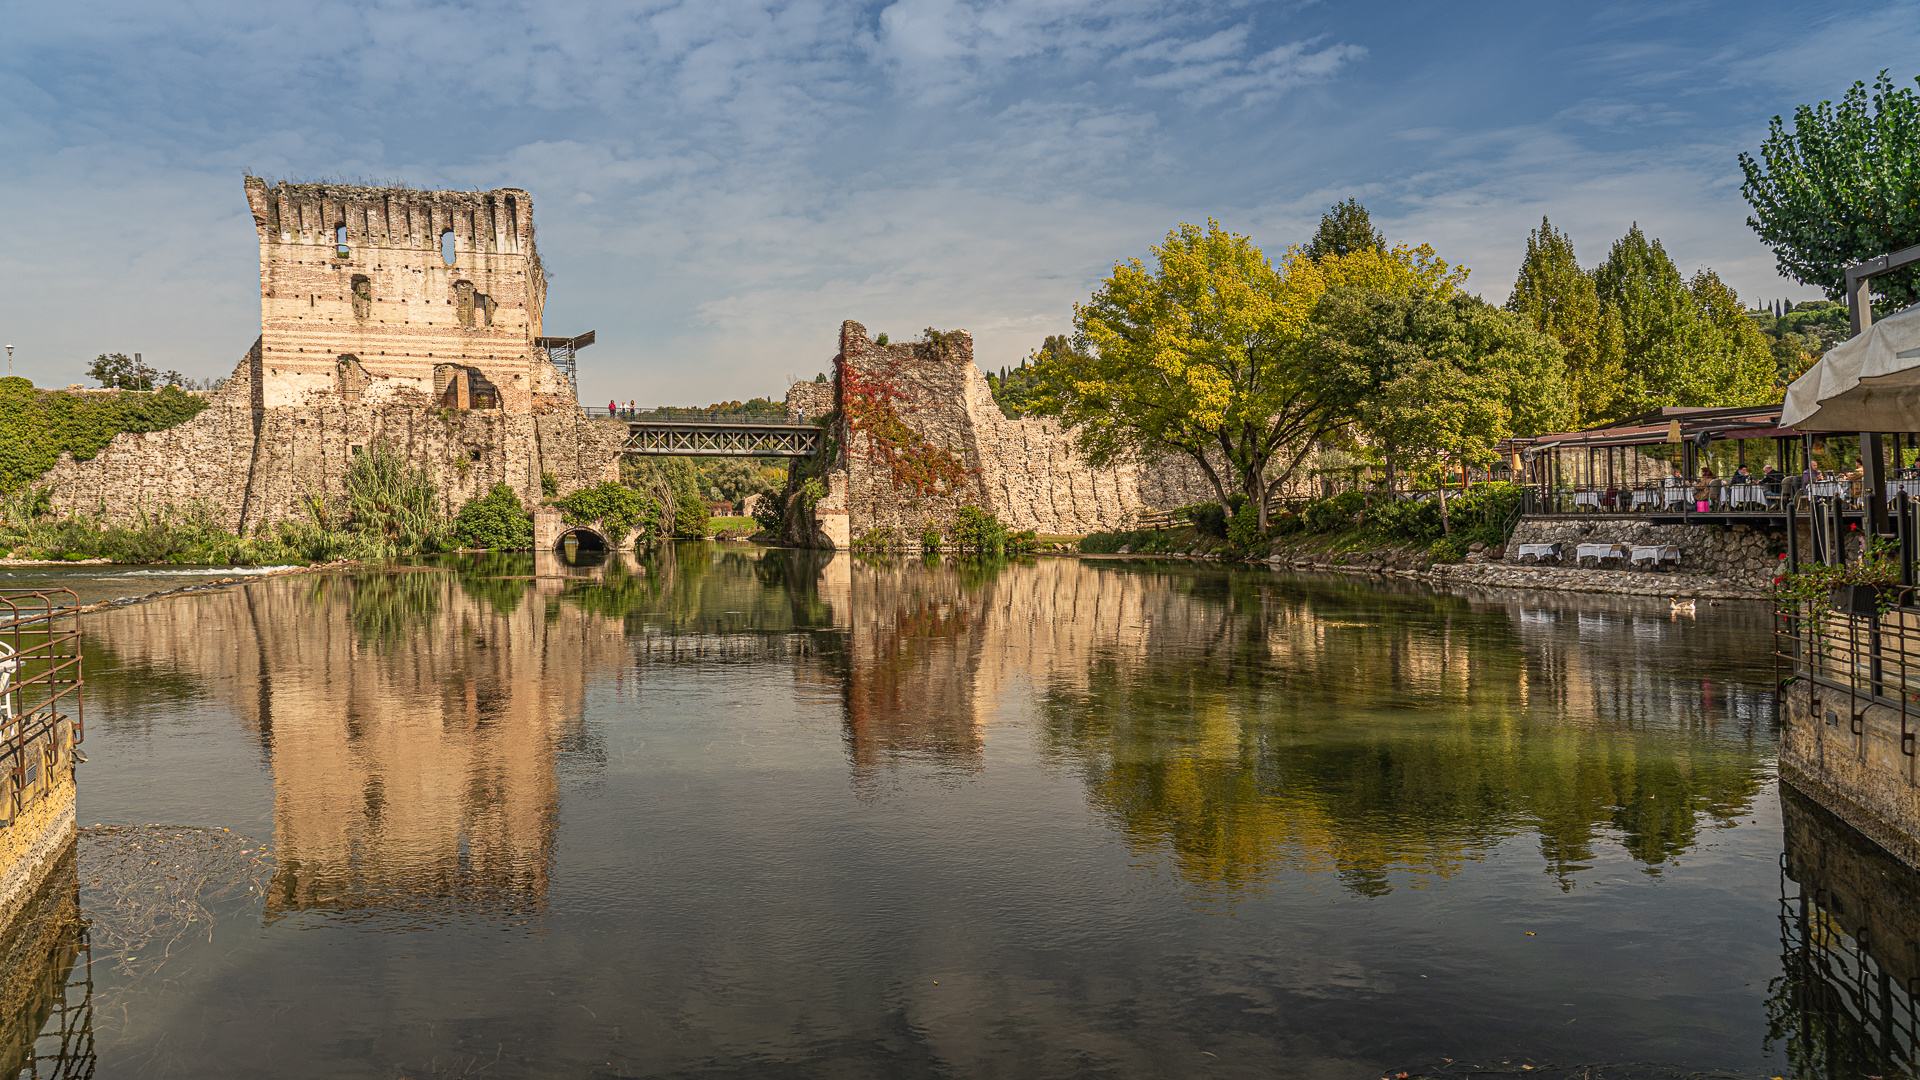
pixel 1866 383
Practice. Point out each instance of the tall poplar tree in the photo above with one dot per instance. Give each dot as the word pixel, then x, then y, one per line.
pixel 1560 299
pixel 1680 343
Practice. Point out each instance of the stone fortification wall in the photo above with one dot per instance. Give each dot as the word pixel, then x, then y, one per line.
pixel 254 465
pixel 1027 472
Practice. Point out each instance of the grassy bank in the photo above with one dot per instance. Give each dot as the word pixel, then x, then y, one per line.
pixel 1401 531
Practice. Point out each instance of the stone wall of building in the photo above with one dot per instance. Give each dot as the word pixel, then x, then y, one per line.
pixel 253 466
pixel 387 344
pixel 359 276
pixel 1027 472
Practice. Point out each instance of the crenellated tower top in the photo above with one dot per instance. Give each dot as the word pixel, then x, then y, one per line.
pixel 383 289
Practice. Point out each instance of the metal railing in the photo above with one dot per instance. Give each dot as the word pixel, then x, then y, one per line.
pixel 1756 499
pixel 1850 1015
pixel 42 707
pixel 667 414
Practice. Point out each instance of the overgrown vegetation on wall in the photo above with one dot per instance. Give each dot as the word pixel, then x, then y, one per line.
pixel 1483 515
pixel 36 426
pixel 386 509
pixel 873 404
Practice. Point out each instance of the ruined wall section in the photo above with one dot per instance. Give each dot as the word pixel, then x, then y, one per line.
pixel 1027 472
pixel 253 466
pixel 381 292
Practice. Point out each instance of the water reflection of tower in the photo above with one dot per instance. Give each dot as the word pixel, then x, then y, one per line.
pixel 46 982
pixel 909 689
pixel 933 646
pixel 411 721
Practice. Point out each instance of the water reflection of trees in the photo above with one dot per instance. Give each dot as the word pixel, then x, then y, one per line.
pixel 1248 725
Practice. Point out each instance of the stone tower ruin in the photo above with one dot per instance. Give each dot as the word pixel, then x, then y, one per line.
pixel 365 291
pixel 387 316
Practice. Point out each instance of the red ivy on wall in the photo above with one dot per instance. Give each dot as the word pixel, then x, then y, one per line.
pixel 873 403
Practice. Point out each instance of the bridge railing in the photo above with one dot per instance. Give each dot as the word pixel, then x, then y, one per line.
pixel 667 414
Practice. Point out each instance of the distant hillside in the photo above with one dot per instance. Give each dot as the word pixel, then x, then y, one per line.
pixel 1803 334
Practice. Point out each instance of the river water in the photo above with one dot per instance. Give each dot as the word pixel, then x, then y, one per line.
pixel 721 811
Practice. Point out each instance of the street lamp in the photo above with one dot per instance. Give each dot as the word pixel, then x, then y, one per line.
pixel 9 361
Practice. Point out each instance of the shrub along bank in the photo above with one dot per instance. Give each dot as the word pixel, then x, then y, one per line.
pixel 1350 522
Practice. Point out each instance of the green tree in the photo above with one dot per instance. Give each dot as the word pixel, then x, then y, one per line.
pixel 1681 343
pixel 495 521
pixel 1201 356
pixel 1560 300
pixel 1434 380
pixel 690 517
pixel 1344 229
pixel 1843 186
pixel 1022 391
pixel 123 372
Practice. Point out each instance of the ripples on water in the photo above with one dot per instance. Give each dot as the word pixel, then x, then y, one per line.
pixel 750 813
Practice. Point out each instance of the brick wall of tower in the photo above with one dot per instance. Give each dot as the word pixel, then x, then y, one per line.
pixel 391 301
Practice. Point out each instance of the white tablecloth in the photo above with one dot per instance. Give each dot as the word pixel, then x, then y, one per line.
pixel 1676 496
pixel 1827 489
pixel 1598 551
pixel 1539 551
pixel 1587 498
pixel 1911 487
pixel 1744 495
pixel 1645 498
pixel 1653 553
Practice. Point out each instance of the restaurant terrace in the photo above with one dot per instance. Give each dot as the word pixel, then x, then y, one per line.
pixel 1702 465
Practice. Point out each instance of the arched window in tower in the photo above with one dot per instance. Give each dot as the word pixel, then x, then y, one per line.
pixel 340 248
pixel 446 247
pixel 362 296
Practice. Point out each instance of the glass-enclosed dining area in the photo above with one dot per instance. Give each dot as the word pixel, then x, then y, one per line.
pixel 1711 463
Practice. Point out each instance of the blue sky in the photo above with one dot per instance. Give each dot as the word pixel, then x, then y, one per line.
pixel 718 184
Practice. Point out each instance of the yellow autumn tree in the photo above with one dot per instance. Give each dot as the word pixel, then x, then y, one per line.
pixel 1201 355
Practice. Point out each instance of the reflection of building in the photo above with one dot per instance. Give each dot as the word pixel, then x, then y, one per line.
pixel 1850 934
pixel 46 1014
pixel 411 720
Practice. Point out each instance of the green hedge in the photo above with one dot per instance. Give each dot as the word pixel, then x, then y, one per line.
pixel 37 425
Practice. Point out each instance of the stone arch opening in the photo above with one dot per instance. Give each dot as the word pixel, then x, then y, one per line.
pixel 584 541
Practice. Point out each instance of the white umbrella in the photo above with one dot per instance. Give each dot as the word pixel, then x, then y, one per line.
pixel 1867 383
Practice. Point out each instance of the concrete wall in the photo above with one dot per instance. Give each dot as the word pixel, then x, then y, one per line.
pixel 1849 757
pixel 31 842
